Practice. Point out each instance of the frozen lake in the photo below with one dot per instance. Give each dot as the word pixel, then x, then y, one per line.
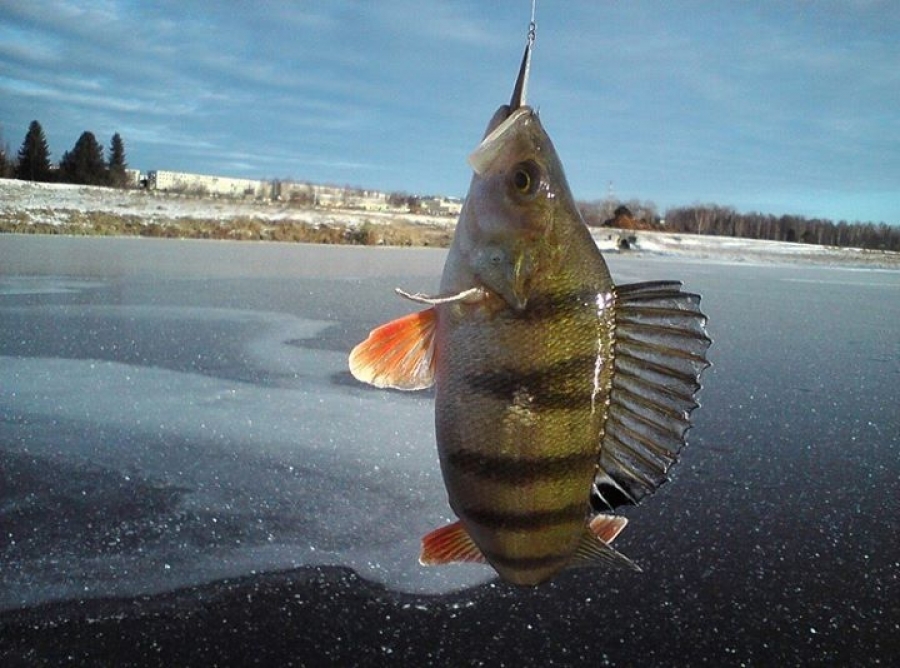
pixel 173 414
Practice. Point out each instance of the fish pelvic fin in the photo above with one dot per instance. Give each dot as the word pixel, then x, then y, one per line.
pixel 659 353
pixel 399 354
pixel 449 544
pixel 607 527
pixel 593 550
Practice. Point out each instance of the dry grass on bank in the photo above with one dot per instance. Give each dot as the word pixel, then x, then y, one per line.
pixel 396 233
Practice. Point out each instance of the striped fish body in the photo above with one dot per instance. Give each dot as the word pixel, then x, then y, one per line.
pixel 520 406
pixel 558 394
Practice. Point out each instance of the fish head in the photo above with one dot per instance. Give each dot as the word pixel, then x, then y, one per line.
pixel 516 212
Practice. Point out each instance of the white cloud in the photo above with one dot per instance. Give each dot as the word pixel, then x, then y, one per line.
pixel 657 95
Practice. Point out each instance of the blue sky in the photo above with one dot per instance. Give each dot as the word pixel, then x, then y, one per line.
pixel 778 107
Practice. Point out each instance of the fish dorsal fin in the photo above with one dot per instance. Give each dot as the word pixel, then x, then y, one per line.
pixel 399 354
pixel 450 544
pixel 593 550
pixel 659 353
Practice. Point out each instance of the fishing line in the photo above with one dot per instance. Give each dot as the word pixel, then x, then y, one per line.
pixel 532 26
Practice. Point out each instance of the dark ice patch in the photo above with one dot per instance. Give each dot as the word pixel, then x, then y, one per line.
pixel 75 506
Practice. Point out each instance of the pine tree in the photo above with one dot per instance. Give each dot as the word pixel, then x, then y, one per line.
pixel 117 162
pixel 34 156
pixel 84 163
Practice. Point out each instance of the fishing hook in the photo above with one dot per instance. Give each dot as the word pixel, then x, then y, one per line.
pixel 519 96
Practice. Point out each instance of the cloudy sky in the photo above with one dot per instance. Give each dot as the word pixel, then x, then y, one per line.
pixel 779 107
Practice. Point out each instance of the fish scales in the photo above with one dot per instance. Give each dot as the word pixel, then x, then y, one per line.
pixel 557 393
pixel 521 394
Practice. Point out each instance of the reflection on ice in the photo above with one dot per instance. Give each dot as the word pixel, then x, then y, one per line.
pixel 42 285
pixel 211 475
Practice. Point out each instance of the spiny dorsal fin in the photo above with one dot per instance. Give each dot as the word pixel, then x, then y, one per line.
pixel 449 544
pixel 399 354
pixel 659 353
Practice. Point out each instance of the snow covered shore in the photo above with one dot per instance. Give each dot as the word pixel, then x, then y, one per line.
pixel 25 206
pixel 59 203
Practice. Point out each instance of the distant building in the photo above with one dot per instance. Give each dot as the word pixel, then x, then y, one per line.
pixel 297 193
pixel 333 197
pixel 440 206
pixel 132 178
pixel 368 200
pixel 328 196
pixel 202 184
pixel 290 191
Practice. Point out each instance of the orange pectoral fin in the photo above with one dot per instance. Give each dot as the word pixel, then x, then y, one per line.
pixel 607 527
pixel 399 354
pixel 449 544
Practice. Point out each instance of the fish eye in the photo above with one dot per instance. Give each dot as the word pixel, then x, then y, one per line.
pixel 526 178
pixel 522 180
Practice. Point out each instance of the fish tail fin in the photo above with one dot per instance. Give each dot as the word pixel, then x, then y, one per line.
pixel 398 354
pixel 594 547
pixel 449 544
pixel 659 353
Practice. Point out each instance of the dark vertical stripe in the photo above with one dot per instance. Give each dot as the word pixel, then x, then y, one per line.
pixel 530 521
pixel 515 470
pixel 567 384
pixel 527 563
pixel 553 306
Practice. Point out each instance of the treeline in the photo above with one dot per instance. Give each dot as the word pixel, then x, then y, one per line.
pixel 84 164
pixel 725 221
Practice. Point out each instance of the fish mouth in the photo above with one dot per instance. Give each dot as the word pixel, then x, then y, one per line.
pixel 515 290
pixel 520 284
pixel 511 293
pixel 518 302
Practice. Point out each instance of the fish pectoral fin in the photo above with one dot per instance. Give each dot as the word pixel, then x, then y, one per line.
pixel 470 296
pixel 607 527
pixel 449 544
pixel 659 353
pixel 399 354
pixel 593 550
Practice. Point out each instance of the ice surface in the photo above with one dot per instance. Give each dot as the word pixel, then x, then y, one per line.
pixel 255 425
pixel 173 427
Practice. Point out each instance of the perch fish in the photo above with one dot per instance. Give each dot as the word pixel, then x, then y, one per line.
pixel 559 395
